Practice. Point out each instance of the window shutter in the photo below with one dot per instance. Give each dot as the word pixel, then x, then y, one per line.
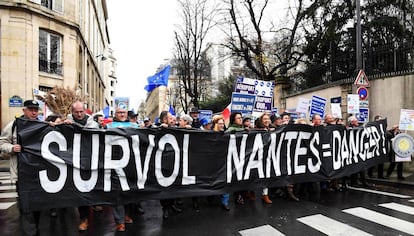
pixel 58 6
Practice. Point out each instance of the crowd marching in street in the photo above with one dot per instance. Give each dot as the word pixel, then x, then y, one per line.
pixel 124 214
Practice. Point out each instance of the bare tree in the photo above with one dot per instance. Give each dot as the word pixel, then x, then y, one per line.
pixel 266 50
pixel 60 99
pixel 189 59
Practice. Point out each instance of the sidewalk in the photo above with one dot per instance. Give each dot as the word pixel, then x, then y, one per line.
pixel 408 173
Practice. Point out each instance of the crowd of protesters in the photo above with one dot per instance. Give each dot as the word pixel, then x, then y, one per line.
pixel 124 214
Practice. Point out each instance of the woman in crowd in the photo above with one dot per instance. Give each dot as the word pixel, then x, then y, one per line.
pixel 264 123
pixel 235 125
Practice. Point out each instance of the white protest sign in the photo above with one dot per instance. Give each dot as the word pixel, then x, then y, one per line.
pixel 336 110
pixel 353 103
pixel 303 105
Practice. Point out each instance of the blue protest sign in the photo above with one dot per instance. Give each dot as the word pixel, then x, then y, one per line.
pixel 317 106
pixel 243 103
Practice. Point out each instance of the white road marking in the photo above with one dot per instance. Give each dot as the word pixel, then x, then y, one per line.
pixel 331 227
pixel 379 218
pixel 6 205
pixel 7 187
pixel 261 230
pixel 380 192
pixel 8 195
pixel 398 207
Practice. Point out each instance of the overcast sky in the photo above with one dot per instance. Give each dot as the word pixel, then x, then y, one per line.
pixel 141 35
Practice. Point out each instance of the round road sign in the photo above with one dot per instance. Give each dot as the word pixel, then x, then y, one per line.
pixel 362 93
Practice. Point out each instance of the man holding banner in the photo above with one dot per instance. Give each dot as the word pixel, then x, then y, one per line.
pixel 9 144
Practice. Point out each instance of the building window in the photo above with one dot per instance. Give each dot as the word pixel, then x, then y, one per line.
pixel 45 89
pixel 50 59
pixel 54 5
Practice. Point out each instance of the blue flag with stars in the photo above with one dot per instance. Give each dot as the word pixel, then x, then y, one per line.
pixel 159 79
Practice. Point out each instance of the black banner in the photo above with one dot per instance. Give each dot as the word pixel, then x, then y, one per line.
pixel 66 165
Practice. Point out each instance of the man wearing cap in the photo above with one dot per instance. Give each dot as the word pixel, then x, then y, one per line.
pixel 148 123
pixel 276 120
pixel 133 118
pixel 195 115
pixel 8 144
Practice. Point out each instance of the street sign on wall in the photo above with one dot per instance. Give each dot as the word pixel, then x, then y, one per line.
pixel 363 115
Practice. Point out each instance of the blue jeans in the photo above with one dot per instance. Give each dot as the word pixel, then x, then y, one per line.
pixel 225 199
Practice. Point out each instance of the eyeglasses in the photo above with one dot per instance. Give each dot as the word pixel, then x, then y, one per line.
pixel 121 112
pixel 220 123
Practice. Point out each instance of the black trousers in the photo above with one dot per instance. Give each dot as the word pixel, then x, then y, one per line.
pixel 29 220
pixel 392 167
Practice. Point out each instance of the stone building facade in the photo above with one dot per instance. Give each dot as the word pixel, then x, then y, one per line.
pixel 47 43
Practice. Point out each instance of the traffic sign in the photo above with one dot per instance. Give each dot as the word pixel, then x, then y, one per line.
pixel 362 93
pixel 362 79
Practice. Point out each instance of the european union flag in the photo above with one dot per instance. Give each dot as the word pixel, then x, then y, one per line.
pixel 171 110
pixel 159 79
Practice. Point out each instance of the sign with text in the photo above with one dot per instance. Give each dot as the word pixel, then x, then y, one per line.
pixel 243 103
pixel 353 103
pixel 303 105
pixel 363 115
pixel 406 120
pixel 67 165
pixel 245 85
pixel 205 114
pixel 15 101
pixel 263 90
pixel 317 106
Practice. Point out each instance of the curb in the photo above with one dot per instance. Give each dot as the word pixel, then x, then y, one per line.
pixel 392 183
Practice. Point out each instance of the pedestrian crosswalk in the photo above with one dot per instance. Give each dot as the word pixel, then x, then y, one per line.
pixel 330 226
pixel 395 216
pixel 379 218
pixel 8 194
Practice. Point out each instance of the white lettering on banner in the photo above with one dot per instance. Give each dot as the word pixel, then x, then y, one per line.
pixel 142 174
pixel 80 184
pixel 187 180
pixel 313 143
pixel 238 160
pixel 117 165
pixel 290 153
pixel 162 180
pixel 362 145
pixel 286 140
pixel 290 135
pixel 300 151
pixel 273 157
pixel 53 186
pixel 256 164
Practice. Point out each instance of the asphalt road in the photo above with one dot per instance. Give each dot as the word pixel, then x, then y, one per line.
pixel 358 211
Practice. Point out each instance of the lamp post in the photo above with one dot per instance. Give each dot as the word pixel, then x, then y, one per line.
pixel 358 37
